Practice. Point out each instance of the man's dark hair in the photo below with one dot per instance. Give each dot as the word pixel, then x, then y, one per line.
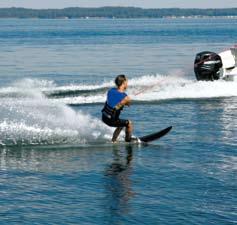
pixel 120 79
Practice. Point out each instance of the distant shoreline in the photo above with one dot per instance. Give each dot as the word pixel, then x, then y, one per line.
pixel 115 13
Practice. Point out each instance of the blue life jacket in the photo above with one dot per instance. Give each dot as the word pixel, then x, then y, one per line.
pixel 113 98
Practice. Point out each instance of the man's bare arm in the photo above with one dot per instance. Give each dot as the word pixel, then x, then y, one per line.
pixel 126 101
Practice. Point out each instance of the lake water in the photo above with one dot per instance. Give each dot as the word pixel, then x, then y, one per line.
pixel 57 165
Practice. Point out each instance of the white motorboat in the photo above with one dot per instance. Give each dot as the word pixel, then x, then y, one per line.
pixel 212 66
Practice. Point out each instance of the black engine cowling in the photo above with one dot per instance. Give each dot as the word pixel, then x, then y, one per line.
pixel 207 66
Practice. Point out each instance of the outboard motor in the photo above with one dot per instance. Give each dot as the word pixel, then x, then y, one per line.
pixel 207 66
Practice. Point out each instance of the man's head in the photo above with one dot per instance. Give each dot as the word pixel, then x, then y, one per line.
pixel 121 80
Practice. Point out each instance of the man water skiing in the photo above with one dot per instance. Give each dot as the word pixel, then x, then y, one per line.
pixel 116 100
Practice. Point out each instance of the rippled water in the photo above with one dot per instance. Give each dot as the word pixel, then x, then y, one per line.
pixel 57 165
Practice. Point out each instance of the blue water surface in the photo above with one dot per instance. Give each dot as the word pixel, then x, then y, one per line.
pixel 187 177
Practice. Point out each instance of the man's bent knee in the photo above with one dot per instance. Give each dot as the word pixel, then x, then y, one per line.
pixel 129 123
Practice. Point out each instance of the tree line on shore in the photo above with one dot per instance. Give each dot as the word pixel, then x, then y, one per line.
pixel 113 12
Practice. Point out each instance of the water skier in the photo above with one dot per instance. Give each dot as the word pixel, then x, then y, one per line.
pixel 116 100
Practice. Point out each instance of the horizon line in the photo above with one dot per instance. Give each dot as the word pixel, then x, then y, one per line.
pixel 135 7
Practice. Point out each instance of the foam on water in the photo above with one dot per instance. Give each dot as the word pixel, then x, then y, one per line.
pixel 29 117
pixel 155 88
pixel 172 87
pixel 38 120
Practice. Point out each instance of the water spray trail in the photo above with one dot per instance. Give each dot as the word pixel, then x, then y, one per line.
pixel 34 119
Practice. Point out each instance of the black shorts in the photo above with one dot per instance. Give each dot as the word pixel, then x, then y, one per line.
pixel 115 123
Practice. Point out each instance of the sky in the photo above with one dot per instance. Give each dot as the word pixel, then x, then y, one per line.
pixel 42 4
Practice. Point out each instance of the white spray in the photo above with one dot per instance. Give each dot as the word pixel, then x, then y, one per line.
pixel 33 119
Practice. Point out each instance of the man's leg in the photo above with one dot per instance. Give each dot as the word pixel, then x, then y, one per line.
pixel 128 132
pixel 116 133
